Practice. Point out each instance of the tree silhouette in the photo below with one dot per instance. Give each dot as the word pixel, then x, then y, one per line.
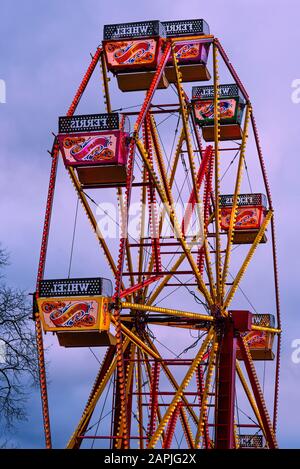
pixel 18 358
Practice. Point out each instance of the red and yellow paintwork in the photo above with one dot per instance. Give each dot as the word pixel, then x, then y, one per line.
pixel 190 52
pixel 133 54
pixel 205 109
pixel 94 148
pixel 247 218
pixel 261 340
pixel 74 313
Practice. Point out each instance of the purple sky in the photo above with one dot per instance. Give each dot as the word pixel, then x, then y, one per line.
pixel 44 50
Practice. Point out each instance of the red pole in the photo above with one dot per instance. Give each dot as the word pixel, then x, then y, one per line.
pixel 225 392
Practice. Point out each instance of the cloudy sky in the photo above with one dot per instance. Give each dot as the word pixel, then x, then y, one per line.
pixel 45 48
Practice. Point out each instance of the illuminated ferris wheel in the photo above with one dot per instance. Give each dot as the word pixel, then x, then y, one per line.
pixel 184 357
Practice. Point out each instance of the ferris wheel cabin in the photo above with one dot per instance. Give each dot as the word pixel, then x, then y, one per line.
pixel 260 343
pixel 250 214
pixel 96 146
pixel 76 310
pixel 191 54
pixel 231 108
pixel 133 51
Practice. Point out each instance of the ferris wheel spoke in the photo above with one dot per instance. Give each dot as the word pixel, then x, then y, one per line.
pixel 172 179
pixel 167 277
pixel 203 410
pixel 153 407
pixel 153 214
pixel 162 171
pixel 174 222
pixel 205 246
pixel 108 369
pixel 247 260
pixel 257 391
pixel 202 388
pixel 217 173
pixel 104 77
pixel 180 390
pixel 171 312
pixel 233 215
pixel 124 433
pixel 231 68
pixel 203 251
pixel 167 441
pixel 170 182
pixel 194 198
pixel 172 380
pixel 174 164
pixel 109 356
pixel 139 380
pixel 127 247
pixel 275 265
pixel 153 404
pixel 135 339
pixel 159 159
pixel 153 87
pixel 187 431
pixel 185 119
pixel 250 396
pixel 142 223
pixel 122 416
pixel 92 219
pixel 84 82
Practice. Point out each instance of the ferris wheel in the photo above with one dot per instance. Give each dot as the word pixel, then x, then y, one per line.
pixel 185 343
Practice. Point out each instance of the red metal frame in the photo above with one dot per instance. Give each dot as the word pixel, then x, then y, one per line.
pixel 225 392
pixel 153 405
pixel 257 393
pixel 200 386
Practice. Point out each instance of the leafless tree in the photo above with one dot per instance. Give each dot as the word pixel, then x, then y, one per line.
pixel 18 358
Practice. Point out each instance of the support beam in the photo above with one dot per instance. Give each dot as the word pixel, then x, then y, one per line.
pixel 172 312
pixel 180 391
pixel 225 391
pixel 135 339
pixel 204 405
pixel 217 175
pixel 109 356
pixel 234 209
pixel 258 394
pixel 173 382
pixel 90 407
pixel 247 260
pixel 174 222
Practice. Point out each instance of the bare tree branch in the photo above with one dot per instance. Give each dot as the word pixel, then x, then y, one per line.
pixel 18 358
